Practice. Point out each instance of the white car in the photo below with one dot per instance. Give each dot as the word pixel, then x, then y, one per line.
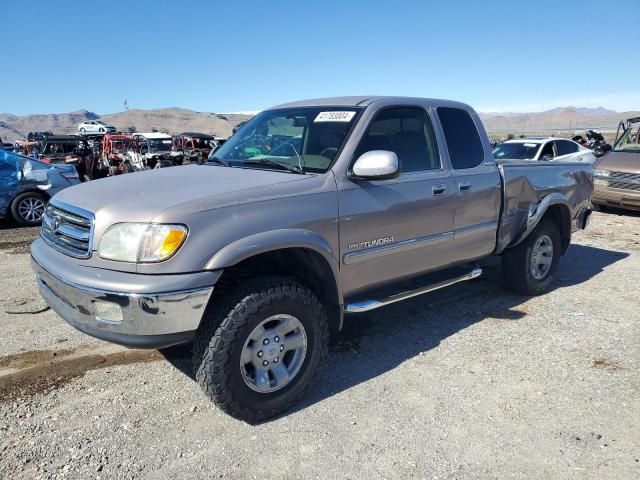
pixel 543 149
pixel 95 126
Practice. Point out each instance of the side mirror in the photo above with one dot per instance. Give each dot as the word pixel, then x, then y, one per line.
pixel 547 158
pixel 376 165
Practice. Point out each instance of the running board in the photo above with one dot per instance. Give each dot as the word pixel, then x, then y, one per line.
pixel 366 305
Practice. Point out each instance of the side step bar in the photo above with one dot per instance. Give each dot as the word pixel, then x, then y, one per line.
pixel 366 305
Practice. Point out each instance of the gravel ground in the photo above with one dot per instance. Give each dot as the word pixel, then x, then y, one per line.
pixel 468 382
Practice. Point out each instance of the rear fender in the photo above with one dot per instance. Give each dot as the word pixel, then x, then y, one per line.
pixel 537 213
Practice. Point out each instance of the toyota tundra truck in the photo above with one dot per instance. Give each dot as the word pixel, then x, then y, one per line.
pixel 312 211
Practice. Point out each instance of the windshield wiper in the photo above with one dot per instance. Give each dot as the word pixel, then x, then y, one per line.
pixel 268 161
pixel 218 161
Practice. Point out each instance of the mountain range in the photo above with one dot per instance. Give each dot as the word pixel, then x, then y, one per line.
pixel 559 120
pixel 171 120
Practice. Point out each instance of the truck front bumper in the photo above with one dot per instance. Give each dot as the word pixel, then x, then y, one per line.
pixel 145 315
pixel 614 197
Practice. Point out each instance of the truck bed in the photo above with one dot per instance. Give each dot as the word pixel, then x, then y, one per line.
pixel 525 184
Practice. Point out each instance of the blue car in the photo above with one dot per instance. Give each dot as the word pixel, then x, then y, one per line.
pixel 26 185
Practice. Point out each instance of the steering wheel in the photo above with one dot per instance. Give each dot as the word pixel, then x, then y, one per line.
pixel 329 152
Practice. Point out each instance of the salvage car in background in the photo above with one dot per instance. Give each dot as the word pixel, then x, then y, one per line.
pixel 114 159
pixel 95 126
pixel 69 149
pixel 543 149
pixel 29 148
pixel 152 150
pixel 26 185
pixel 617 174
pixel 195 147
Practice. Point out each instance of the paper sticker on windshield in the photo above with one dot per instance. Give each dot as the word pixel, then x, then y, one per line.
pixel 530 144
pixel 334 116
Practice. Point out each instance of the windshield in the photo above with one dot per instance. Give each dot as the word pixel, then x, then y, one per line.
pixel 202 143
pixel 516 151
pixel 120 145
pixel 60 148
pixel 159 144
pixel 629 141
pixel 304 139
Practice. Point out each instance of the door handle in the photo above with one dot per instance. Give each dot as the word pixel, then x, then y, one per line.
pixel 464 186
pixel 439 189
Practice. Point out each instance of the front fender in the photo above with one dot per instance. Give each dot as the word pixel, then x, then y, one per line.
pixel 273 240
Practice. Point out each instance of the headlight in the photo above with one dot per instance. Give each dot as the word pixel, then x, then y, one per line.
pixel 601 173
pixel 141 242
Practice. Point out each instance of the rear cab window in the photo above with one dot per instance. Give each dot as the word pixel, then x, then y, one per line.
pixel 462 137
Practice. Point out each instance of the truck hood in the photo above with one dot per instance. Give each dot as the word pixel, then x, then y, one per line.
pixel 626 162
pixel 143 196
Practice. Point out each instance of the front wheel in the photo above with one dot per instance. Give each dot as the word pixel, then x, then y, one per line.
pixel 258 349
pixel 529 268
pixel 28 208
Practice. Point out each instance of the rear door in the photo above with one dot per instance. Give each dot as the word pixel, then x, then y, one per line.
pixel 390 229
pixel 477 186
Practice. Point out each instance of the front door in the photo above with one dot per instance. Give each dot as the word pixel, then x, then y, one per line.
pixel 403 226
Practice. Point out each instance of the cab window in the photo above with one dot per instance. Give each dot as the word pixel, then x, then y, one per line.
pixel 408 133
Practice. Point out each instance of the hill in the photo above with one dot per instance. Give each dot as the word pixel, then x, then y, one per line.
pixel 560 119
pixel 174 120
pixel 171 120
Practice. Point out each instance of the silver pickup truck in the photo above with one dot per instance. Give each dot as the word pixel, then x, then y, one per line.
pixel 311 211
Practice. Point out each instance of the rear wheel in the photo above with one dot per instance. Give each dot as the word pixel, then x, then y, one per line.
pixel 259 348
pixel 529 268
pixel 28 208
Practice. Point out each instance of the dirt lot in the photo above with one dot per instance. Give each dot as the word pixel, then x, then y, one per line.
pixel 471 382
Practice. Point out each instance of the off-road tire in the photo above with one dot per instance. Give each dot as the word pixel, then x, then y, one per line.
pixel 15 208
pixel 231 317
pixel 516 262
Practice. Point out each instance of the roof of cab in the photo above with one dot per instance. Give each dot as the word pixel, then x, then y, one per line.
pixel 152 135
pixel 360 101
pixel 534 139
pixel 196 135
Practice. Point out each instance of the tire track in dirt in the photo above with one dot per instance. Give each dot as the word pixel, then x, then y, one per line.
pixel 32 372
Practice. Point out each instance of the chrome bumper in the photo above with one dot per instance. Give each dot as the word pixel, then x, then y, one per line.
pixel 149 320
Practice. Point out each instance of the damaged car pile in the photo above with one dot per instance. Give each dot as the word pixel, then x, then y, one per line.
pixel 33 170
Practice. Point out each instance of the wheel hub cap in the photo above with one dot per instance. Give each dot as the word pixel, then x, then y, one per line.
pixel 31 209
pixel 273 353
pixel 542 257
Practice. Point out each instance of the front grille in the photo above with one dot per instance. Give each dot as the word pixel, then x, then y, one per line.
pixel 624 185
pixel 624 181
pixel 69 232
pixel 630 177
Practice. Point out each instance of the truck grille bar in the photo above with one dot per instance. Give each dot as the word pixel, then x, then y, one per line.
pixel 624 181
pixel 68 231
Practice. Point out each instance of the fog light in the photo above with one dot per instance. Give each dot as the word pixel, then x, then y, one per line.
pixel 107 312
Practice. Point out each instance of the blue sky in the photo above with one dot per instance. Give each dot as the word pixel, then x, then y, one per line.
pixel 241 56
